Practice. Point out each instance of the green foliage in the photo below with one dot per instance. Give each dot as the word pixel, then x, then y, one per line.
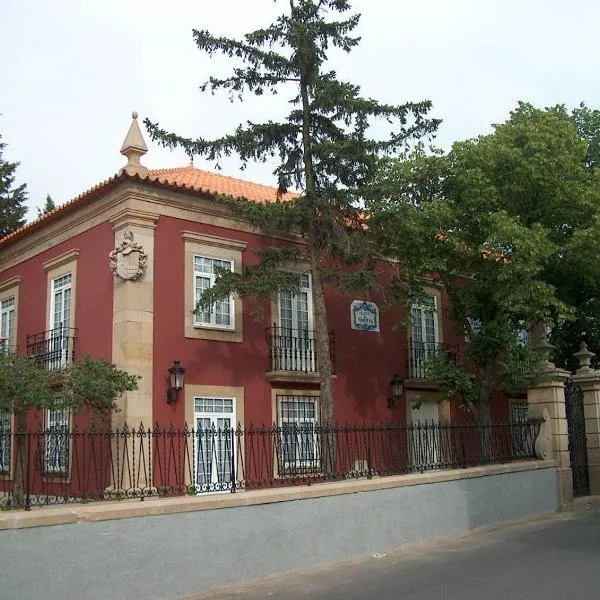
pixel 587 122
pixel 322 149
pixel 12 198
pixel 96 384
pixel 23 384
pixel 322 146
pixel 496 221
pixel 48 207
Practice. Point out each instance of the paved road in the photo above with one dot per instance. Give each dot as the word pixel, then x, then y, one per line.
pixel 553 558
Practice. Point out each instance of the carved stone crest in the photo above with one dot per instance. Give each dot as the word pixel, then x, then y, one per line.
pixel 128 260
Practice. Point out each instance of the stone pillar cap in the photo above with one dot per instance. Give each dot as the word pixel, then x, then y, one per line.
pixel 584 356
pixel 134 147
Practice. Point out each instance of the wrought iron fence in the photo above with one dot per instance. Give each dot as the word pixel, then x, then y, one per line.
pixel 55 466
pixel 53 349
pixel 295 349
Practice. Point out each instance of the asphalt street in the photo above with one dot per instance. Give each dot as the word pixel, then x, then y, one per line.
pixel 551 558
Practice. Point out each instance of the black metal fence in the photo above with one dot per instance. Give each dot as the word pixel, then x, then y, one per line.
pixel 53 349
pixel 55 466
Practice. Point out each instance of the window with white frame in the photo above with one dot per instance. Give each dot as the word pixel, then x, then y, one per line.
pixel 60 321
pixel 295 343
pixel 7 323
pixel 297 417
pixel 5 441
pixel 214 443
pixel 424 335
pixel 221 314
pixel 56 441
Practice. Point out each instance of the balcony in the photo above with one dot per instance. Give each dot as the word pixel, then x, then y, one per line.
pixel 293 354
pixel 53 349
pixel 420 352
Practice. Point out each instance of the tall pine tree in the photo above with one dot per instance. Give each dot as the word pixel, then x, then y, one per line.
pixel 323 150
pixel 48 207
pixel 12 198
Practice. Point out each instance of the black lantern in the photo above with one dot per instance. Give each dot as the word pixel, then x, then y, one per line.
pixel 397 391
pixel 176 373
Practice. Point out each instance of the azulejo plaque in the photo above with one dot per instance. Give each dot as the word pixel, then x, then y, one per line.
pixel 128 260
pixel 364 315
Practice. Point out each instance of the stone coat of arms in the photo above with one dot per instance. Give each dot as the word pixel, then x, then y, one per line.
pixel 128 260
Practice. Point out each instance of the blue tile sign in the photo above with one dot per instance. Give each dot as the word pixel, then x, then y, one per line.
pixel 364 315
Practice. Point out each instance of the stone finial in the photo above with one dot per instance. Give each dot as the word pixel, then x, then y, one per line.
pixel 134 147
pixel 542 347
pixel 584 356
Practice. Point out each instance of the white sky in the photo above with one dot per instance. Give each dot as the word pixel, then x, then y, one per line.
pixel 75 69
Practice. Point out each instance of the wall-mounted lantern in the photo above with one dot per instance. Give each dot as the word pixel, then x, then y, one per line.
pixel 177 377
pixel 397 390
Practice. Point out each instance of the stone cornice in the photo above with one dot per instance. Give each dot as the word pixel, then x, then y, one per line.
pixel 10 283
pixel 211 240
pixel 61 260
pixel 131 217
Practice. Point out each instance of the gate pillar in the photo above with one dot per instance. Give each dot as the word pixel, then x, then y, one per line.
pixel 588 380
pixel 549 395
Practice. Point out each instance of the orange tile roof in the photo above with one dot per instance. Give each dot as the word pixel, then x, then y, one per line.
pixel 187 179
pixel 204 181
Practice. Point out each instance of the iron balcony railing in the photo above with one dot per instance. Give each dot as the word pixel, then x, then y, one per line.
pixel 295 349
pixel 54 349
pixel 58 465
pixel 420 352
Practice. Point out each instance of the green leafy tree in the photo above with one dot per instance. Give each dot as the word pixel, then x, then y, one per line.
pixel 579 279
pixel 497 231
pixel 323 149
pixel 12 197
pixel 48 207
pixel 26 385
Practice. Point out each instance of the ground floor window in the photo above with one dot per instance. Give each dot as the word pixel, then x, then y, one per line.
pixel 297 417
pixel 5 441
pixel 56 441
pixel 214 444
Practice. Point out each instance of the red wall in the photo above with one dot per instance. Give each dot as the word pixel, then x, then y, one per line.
pixel 93 302
pixel 365 361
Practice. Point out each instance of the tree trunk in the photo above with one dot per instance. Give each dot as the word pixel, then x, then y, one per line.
pixel 328 439
pixel 20 460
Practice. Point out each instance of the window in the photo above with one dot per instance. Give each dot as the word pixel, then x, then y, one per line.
pixel 214 444
pixel 424 336
pixel 294 343
pixel 297 419
pixel 7 323
pixel 56 447
pixel 58 337
pixel 221 313
pixel 5 442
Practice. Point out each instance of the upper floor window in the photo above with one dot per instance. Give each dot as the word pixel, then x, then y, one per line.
pixel 424 344
pixel 221 314
pixel 60 310
pixel 424 322
pixel 7 323
pixel 295 308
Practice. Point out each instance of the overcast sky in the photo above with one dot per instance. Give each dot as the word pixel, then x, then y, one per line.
pixel 75 69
